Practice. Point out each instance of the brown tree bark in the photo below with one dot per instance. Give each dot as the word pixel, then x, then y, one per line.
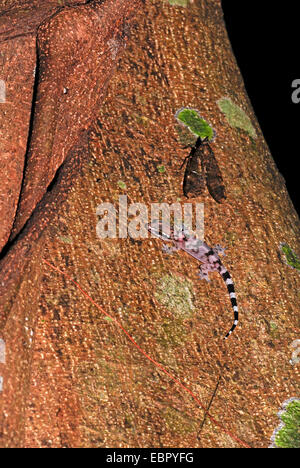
pixel 71 377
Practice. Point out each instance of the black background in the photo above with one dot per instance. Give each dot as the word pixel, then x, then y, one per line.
pixel 265 37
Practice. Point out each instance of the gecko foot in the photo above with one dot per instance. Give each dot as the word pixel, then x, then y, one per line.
pixel 219 250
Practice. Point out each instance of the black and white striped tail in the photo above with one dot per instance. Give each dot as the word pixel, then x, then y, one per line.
pixel 230 286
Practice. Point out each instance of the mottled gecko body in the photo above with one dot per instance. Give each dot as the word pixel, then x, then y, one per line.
pixel 209 258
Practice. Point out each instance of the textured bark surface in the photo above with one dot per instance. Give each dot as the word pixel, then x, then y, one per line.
pixel 71 377
pixel 77 49
pixel 19 23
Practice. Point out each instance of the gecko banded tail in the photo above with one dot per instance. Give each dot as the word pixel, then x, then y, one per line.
pixel 230 287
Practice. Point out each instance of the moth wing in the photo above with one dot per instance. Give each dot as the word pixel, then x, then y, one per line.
pixel 194 177
pixel 214 179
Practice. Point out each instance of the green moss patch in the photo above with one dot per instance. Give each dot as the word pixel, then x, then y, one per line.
pixel 196 124
pixel 161 169
pixel 121 184
pixel 290 258
pixel 287 434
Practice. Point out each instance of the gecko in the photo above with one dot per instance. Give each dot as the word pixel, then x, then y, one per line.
pixel 209 257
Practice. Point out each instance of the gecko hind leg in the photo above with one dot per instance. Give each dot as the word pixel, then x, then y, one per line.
pixel 203 273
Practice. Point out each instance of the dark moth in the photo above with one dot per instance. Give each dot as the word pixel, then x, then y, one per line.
pixel 202 168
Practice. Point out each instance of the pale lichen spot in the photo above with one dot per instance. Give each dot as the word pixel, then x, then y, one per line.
pixel 176 295
pixel 295 358
pixel 66 239
pixel 182 3
pixel 114 47
pixel 2 91
pixel 2 351
pixel 235 116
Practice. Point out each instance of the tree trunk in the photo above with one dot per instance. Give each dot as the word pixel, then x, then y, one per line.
pixel 71 376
